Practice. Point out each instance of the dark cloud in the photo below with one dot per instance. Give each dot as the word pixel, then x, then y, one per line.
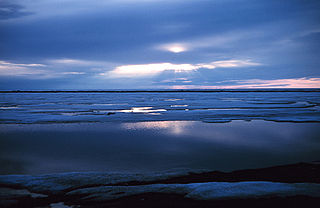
pixel 10 10
pixel 128 34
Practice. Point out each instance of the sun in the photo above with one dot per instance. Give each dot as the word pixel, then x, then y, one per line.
pixel 176 49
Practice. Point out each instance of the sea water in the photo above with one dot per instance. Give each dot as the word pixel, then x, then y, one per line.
pixel 143 131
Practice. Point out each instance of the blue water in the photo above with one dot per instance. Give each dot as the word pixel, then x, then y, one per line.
pixel 166 106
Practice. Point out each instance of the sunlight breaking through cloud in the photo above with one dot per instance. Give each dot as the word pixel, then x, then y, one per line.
pixel 148 69
pixel 156 68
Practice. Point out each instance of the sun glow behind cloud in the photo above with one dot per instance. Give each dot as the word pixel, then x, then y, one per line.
pixel 220 40
pixel 174 48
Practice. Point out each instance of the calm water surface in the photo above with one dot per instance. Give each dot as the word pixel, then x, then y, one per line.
pixel 154 146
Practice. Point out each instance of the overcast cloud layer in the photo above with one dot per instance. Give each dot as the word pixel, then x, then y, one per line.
pixel 152 44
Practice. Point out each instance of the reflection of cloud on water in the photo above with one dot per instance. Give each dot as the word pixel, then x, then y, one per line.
pixel 257 134
pixel 156 145
pixel 183 128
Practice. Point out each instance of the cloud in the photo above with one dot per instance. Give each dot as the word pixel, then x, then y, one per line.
pixel 175 80
pixel 33 71
pixel 9 11
pixel 271 36
pixel 223 40
pixel 80 63
pixel 68 61
pixel 153 69
pixel 309 32
pixel 73 73
pixel 259 83
pixel 279 83
pixel 158 39
pixel 76 62
pixel 13 69
pixel 233 63
pixel 5 63
pixel 54 8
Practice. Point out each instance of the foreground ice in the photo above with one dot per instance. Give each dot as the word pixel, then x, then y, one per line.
pixel 59 183
pixel 108 186
pixel 68 189
pixel 197 191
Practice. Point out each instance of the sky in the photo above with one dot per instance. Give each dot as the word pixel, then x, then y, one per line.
pixel 159 44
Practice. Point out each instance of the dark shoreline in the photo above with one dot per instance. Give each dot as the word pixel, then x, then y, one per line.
pixel 292 173
pixel 300 173
pixel 157 200
pixel 154 200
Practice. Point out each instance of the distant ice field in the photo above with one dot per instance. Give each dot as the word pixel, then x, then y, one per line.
pixel 166 106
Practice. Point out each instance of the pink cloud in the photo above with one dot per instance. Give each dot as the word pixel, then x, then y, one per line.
pixel 259 83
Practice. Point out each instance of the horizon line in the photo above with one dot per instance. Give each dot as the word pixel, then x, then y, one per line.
pixel 167 90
